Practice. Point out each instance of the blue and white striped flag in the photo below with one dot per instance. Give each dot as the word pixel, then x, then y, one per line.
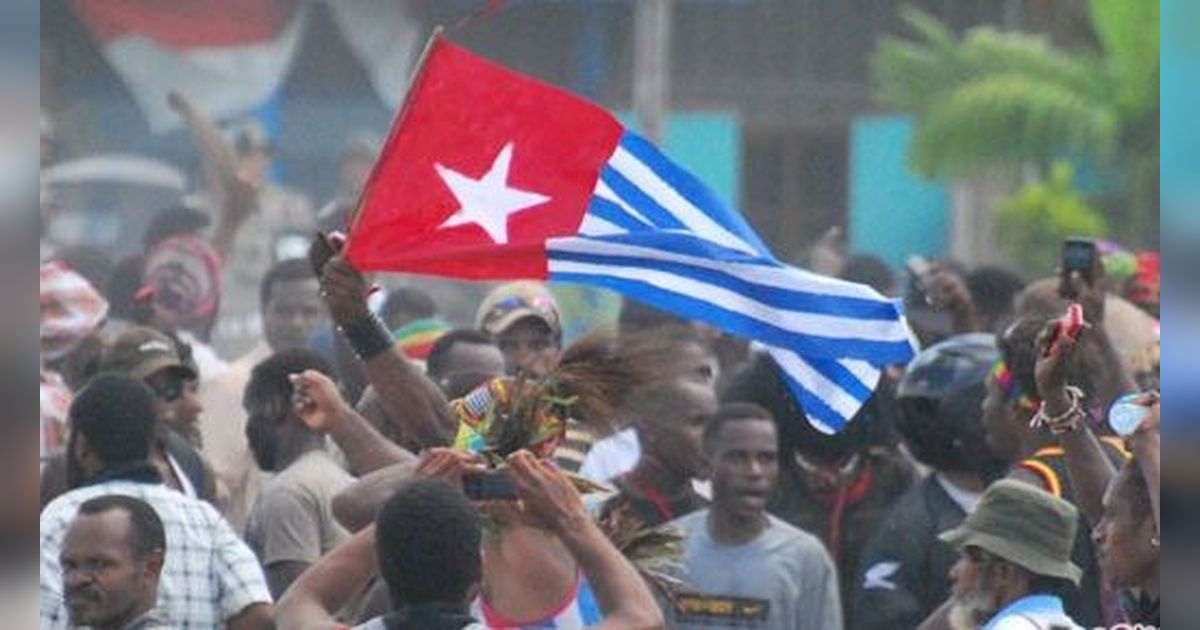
pixel 654 233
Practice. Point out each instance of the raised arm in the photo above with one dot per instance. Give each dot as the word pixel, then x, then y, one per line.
pixel 321 408
pixel 410 395
pixel 356 505
pixel 549 500
pixel 947 291
pixel 234 198
pixel 312 601
pixel 1106 370
pixel 1089 468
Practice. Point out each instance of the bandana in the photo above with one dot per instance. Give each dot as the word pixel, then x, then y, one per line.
pixel 185 273
pixel 71 309
pixel 1009 387
pixel 416 338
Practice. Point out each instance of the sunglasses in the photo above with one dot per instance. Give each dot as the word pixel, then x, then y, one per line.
pixel 170 390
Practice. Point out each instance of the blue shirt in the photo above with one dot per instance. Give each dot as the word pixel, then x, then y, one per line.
pixel 1033 612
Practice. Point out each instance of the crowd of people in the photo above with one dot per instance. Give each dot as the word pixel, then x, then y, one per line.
pixel 238 433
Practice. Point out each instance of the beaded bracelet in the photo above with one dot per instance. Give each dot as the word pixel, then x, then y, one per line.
pixel 1066 422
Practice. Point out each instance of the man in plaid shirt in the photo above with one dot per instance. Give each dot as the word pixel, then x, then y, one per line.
pixel 210 577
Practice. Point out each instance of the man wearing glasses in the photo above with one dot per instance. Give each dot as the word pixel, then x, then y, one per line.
pixel 165 366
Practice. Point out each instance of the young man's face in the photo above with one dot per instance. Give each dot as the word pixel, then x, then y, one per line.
pixel 530 347
pixel 1123 538
pixel 266 428
pixel 674 437
pixel 105 583
pixel 292 313
pixel 745 466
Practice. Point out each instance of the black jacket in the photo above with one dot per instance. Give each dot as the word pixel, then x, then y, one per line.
pixel 905 568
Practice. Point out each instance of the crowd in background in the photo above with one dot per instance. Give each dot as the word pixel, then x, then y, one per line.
pixel 237 432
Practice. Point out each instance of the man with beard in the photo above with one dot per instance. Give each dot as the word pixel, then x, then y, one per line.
pixel 904 566
pixel 1014 563
pixel 210 578
pixel 292 524
pixel 744 567
pixel 112 558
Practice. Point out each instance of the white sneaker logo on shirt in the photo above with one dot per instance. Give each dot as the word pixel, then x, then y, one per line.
pixel 879 576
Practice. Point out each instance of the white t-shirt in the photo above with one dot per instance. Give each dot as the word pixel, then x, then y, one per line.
pixel 617 454
pixel 612 456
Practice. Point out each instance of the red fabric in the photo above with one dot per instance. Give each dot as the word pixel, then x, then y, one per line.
pixel 71 309
pixel 55 401
pixel 461 112
pixel 829 489
pixel 187 23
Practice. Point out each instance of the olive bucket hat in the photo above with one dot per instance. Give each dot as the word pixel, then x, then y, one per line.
pixel 1024 525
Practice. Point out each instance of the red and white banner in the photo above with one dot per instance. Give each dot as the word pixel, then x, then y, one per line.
pixel 226 56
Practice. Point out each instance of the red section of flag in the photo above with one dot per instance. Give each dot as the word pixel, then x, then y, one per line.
pixel 187 23
pixel 462 115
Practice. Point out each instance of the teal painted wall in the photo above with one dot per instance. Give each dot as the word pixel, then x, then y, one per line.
pixel 893 212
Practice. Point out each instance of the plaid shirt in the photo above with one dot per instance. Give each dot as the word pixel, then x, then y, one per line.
pixel 209 575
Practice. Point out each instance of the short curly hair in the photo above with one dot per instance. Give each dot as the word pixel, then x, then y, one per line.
pixel 428 539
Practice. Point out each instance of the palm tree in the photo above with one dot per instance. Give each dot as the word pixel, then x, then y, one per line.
pixel 992 98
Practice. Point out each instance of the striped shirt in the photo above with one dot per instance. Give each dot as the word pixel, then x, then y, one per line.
pixel 574 448
pixel 579 610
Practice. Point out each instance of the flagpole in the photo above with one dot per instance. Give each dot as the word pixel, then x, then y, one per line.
pixel 413 77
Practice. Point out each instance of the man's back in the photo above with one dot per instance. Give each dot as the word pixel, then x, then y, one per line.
pixel 783 580
pixel 209 574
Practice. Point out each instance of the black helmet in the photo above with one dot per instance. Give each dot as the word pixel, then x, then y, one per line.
pixel 939 401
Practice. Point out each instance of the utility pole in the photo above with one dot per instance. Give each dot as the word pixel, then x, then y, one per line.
pixel 652 65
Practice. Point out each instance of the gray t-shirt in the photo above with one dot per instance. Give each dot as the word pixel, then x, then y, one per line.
pixel 782 580
pixel 293 516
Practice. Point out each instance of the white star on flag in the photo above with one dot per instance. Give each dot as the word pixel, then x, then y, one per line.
pixel 488 201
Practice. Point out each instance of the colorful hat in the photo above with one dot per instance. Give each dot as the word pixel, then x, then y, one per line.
pixel 417 337
pixel 512 302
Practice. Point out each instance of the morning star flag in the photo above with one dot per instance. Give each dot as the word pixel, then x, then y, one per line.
pixel 489 174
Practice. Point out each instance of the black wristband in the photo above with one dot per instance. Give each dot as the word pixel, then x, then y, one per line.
pixel 367 337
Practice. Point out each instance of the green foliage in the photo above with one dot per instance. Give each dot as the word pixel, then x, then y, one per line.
pixel 1033 221
pixel 995 98
pixel 1004 99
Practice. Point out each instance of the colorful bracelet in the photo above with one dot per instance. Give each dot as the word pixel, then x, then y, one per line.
pixel 1068 421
